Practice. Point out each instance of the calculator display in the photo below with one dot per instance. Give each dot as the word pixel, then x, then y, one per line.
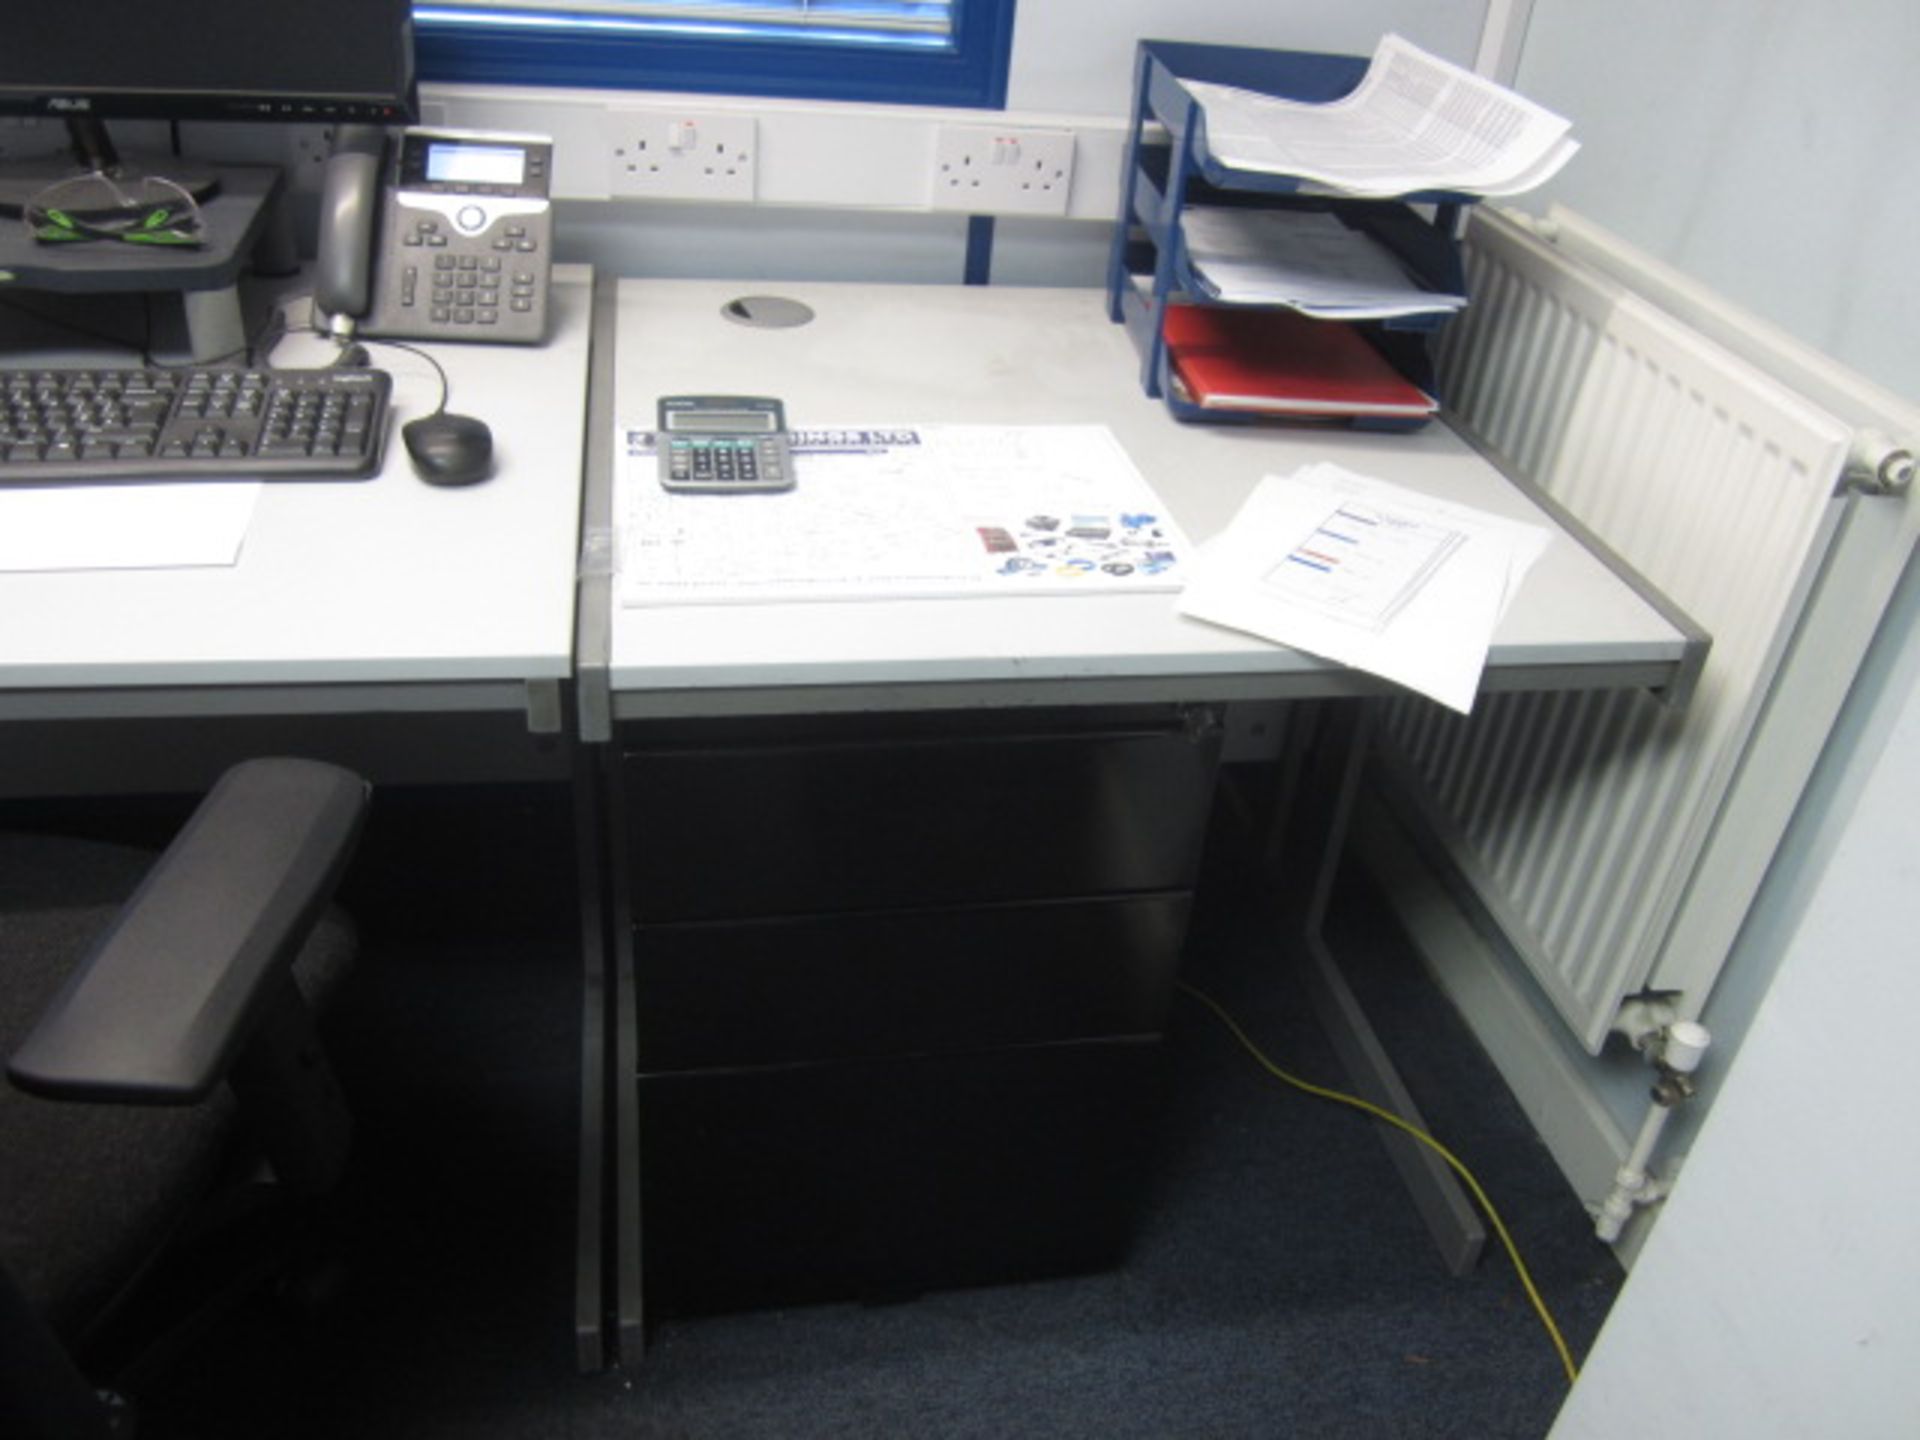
pixel 722 422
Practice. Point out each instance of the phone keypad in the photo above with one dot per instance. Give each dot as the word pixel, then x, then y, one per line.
pixel 468 289
pixel 445 284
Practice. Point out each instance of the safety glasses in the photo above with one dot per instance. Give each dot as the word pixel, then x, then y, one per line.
pixel 149 211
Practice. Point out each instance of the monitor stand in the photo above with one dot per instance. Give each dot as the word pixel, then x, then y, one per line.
pixel 243 227
pixel 90 153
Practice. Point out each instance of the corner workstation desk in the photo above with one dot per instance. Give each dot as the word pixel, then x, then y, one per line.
pixel 414 632
pixel 896 889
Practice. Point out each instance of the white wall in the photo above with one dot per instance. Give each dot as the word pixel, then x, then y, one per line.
pixel 1765 147
pixel 1775 1297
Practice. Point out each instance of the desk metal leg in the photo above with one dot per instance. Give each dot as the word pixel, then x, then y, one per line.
pixel 627 1301
pixel 609 1325
pixel 592 1350
pixel 1327 785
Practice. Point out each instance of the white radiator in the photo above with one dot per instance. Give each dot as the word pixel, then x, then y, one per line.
pixel 1615 840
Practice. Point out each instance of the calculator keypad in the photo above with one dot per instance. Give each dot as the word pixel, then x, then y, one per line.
pixel 723 462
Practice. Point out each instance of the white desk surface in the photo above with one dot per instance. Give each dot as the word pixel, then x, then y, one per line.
pixel 388 582
pixel 898 354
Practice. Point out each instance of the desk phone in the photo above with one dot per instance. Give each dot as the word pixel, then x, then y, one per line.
pixel 437 235
pixel 724 443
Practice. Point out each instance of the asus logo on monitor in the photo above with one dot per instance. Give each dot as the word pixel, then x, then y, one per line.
pixel 68 104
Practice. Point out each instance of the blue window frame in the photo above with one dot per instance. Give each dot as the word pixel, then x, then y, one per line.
pixel 948 52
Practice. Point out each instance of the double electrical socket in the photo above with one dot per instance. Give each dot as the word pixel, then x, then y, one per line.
pixel 680 155
pixel 986 170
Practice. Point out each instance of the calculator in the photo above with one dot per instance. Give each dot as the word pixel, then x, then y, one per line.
pixel 723 444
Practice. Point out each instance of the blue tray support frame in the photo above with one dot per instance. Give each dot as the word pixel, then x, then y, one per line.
pixel 1148 265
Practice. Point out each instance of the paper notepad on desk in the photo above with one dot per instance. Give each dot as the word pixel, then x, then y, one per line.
pixel 1367 573
pixel 903 512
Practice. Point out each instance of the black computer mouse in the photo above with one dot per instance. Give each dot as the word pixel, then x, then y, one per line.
pixel 449 449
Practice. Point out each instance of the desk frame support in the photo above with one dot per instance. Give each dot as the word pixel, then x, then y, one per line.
pixel 591 1236
pixel 1328 762
pixel 609 1321
pixel 627 1314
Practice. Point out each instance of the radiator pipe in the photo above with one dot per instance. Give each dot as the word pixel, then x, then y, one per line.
pixel 1676 1051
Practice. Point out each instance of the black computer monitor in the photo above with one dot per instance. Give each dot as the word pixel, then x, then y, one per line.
pixel 91 62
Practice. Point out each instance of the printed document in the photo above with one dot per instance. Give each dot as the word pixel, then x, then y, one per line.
pixel 906 512
pixel 1367 573
pixel 1415 122
pixel 1304 259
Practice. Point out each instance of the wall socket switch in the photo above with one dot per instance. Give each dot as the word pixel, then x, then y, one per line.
pixel 680 155
pixel 986 170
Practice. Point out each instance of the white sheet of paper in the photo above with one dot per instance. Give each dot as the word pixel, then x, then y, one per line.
pixel 124 526
pixel 1367 573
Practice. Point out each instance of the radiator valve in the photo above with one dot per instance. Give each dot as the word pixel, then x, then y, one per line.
pixel 1675 1050
pixel 1682 1046
pixel 1880 464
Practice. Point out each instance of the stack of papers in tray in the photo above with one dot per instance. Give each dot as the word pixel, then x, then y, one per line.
pixel 1283 363
pixel 1414 123
pixel 1308 260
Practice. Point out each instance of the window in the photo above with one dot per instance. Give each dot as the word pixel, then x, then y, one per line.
pixel 933 52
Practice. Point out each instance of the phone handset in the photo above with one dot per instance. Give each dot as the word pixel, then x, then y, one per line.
pixel 349 217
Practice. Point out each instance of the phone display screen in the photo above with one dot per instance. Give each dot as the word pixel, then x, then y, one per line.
pixel 465 163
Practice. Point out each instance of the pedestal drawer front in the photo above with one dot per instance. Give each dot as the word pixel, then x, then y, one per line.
pixel 903 982
pixel 876 820
pixel 877 1179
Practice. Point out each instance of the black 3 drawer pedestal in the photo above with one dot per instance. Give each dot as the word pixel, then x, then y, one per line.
pixel 899 985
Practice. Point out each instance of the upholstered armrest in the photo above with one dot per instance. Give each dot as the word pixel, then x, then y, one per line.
pixel 167 998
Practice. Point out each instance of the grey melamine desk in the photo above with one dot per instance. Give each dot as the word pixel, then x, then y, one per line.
pixel 897 355
pixel 386 621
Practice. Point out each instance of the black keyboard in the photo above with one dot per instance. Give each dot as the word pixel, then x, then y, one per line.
pixel 199 423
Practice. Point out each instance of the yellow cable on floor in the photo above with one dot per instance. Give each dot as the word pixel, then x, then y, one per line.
pixel 1460 1169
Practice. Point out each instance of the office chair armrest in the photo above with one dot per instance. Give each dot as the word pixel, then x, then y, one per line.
pixel 164 1002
